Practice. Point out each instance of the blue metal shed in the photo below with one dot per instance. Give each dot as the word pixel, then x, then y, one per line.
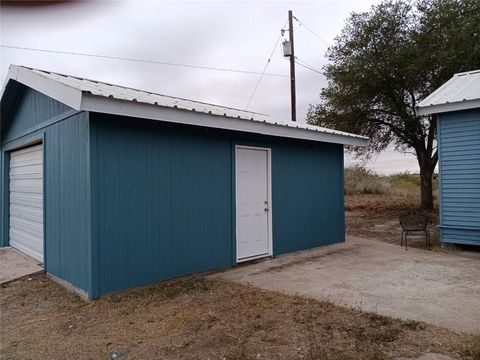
pixel 122 187
pixel 456 104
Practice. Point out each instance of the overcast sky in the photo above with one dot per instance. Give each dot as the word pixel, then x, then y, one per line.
pixel 233 35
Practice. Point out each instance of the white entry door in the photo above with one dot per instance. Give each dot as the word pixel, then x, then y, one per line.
pixel 253 207
pixel 26 201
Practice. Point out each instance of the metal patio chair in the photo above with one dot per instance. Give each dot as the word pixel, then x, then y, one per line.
pixel 414 224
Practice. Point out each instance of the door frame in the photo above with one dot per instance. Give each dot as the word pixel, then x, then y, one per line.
pixel 269 199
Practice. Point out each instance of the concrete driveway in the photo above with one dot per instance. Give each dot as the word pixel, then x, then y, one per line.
pixel 14 265
pixel 435 287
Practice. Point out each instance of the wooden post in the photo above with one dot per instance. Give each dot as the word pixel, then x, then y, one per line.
pixel 292 68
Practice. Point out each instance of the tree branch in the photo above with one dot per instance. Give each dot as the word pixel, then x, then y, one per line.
pixel 401 133
pixel 396 130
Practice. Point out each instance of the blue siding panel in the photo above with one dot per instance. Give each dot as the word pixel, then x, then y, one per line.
pixel 201 202
pixel 166 198
pixel 307 192
pixel 73 207
pixel 30 109
pixel 460 236
pixel 459 161
pixel 66 205
pixel 159 221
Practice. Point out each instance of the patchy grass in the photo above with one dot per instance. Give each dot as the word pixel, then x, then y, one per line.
pixel 198 318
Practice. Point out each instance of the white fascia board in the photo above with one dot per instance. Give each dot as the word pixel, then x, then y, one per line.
pixel 12 74
pixel 65 94
pixel 448 107
pixel 101 104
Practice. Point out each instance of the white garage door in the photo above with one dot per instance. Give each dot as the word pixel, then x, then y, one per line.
pixel 26 201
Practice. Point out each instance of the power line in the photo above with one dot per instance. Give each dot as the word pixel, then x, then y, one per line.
pixel 265 68
pixel 304 64
pixel 144 61
pixel 313 32
pixel 307 64
pixel 306 67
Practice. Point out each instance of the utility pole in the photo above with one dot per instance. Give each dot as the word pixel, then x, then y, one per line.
pixel 292 68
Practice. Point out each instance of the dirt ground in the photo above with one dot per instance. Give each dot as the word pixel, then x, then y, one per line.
pixel 199 318
pixel 377 217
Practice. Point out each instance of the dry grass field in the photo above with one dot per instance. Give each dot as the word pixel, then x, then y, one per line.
pixel 199 318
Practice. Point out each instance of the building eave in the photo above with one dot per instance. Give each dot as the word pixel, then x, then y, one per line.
pixel 448 107
pixel 104 105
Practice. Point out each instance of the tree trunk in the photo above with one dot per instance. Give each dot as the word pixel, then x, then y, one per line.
pixel 427 163
pixel 426 189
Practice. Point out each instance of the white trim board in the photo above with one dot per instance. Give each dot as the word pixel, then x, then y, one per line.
pixel 448 107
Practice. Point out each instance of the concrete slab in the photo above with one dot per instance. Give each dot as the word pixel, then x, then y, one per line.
pixel 435 287
pixel 14 264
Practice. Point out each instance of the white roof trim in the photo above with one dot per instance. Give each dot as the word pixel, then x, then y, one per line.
pixel 448 107
pixel 180 116
pixel 60 92
pixel 461 92
pixel 88 95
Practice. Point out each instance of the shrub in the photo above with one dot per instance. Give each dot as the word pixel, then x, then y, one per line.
pixel 360 180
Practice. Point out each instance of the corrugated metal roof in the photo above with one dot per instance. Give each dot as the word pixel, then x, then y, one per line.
pixel 461 92
pixel 33 78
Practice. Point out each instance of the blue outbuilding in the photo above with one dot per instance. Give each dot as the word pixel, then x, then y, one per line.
pixel 456 105
pixel 111 187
